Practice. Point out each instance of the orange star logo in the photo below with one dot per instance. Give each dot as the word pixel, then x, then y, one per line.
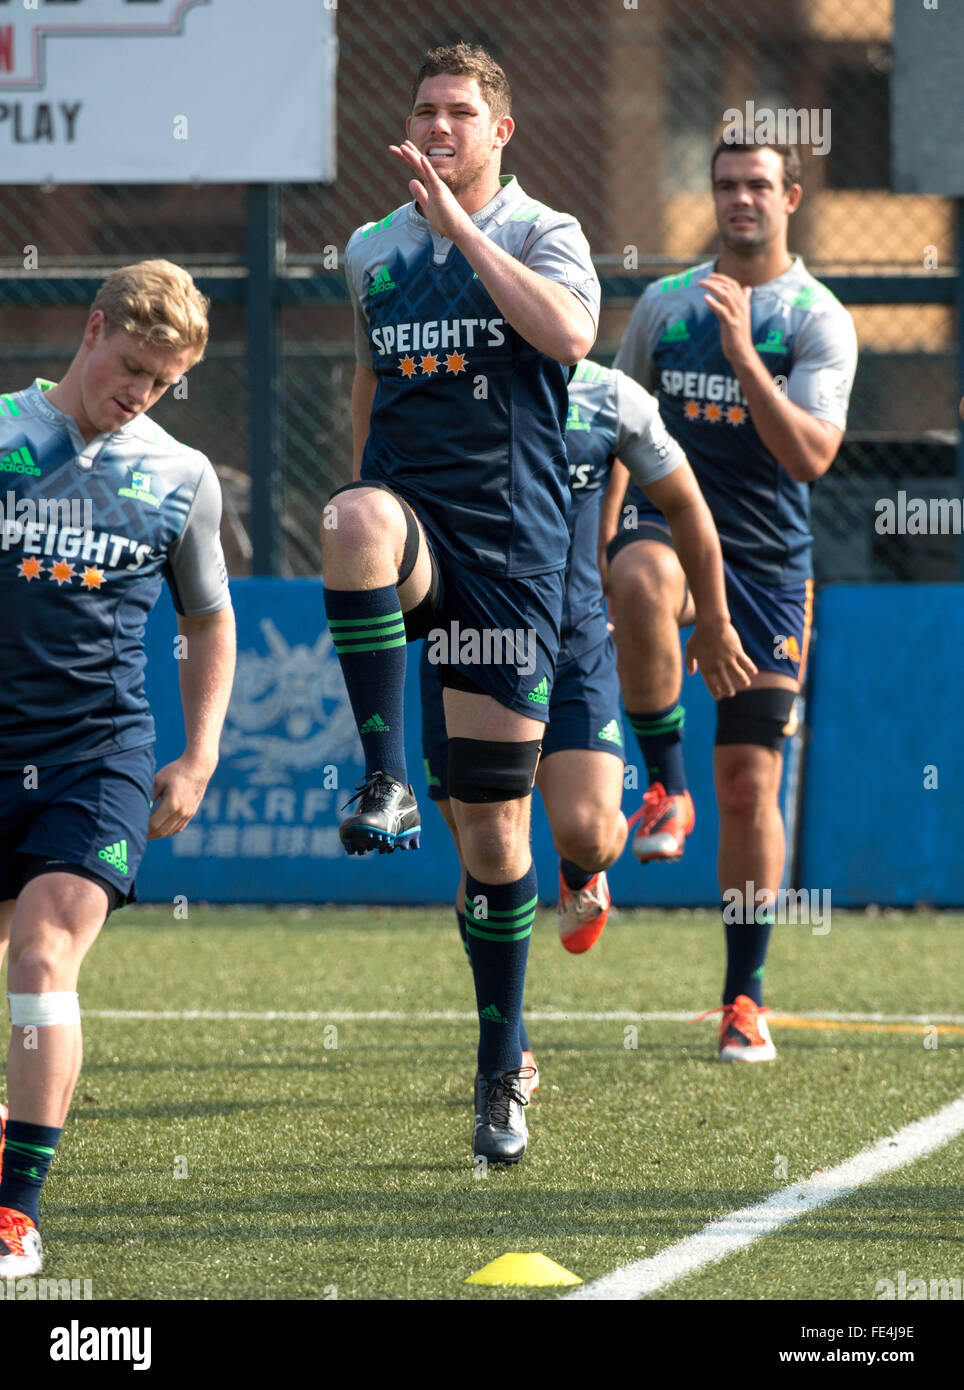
pixel 455 363
pixel 736 415
pixel 692 410
pixel 406 365
pixel 30 568
pixel 429 363
pixel 713 412
pixel 62 572
pixel 93 578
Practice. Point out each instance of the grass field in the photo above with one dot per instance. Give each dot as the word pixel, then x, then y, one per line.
pixel 331 1157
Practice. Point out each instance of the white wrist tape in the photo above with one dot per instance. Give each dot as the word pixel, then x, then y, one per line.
pixel 44 1010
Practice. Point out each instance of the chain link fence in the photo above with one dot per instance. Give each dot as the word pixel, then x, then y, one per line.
pixel 618 105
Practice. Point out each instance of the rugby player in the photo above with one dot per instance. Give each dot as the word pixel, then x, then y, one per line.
pixel 470 303
pixel 752 360
pixel 580 773
pixel 100 504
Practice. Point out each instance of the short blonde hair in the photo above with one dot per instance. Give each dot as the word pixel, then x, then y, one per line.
pixel 157 302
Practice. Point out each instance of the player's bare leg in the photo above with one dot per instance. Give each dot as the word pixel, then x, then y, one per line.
pixel 6 917
pixel 366 597
pixel 649 603
pixel 55 921
pixel 500 899
pixel 582 790
pixel 752 850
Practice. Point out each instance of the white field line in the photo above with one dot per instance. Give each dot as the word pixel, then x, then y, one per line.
pixel 741 1228
pixel 456 1016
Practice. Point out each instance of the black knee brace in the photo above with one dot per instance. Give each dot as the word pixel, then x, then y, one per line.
pixel 481 770
pixel 760 717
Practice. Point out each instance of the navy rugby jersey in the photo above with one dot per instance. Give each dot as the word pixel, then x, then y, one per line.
pixel 610 416
pixel 468 418
pixel 806 337
pixel 87 531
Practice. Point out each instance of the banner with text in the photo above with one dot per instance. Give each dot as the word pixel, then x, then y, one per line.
pixel 168 91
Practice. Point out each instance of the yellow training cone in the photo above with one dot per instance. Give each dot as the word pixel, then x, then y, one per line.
pixel 523 1269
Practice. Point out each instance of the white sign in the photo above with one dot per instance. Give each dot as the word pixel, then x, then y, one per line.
pixel 167 91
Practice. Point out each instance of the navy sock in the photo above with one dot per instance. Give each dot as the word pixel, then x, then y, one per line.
pixel 27 1154
pixel 660 736
pixel 746 951
pixel 460 918
pixel 498 920
pixel 368 631
pixel 575 877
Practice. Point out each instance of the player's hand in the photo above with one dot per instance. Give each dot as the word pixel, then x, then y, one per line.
pixel 178 789
pixel 730 302
pixel 717 652
pixel 437 201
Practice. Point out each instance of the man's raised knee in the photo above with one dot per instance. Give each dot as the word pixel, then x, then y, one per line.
pixel 364 517
pixel 645 576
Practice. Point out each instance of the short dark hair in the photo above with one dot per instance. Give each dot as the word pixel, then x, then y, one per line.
pixel 791 160
pixel 468 60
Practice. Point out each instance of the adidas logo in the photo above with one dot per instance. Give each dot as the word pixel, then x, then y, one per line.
pixel 611 733
pixel 676 333
pixel 381 281
pixel 375 725
pixel 492 1015
pixel 115 855
pixel 19 461
pixel 540 696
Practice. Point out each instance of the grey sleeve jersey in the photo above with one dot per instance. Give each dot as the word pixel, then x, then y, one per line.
pixel 558 249
pixel 642 442
pixel 363 352
pixel 824 365
pixel 635 354
pixel 195 568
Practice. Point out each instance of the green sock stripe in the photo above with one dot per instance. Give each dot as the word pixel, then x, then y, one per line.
pixel 366 622
pixel 506 914
pixel 348 648
pixel 497 936
pixel 29 1150
pixel 674 720
pixel 503 928
pixel 372 634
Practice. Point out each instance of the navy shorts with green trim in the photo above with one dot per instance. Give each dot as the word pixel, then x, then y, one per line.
pixel 497 636
pixel 773 621
pixel 91 814
pixel 584 712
